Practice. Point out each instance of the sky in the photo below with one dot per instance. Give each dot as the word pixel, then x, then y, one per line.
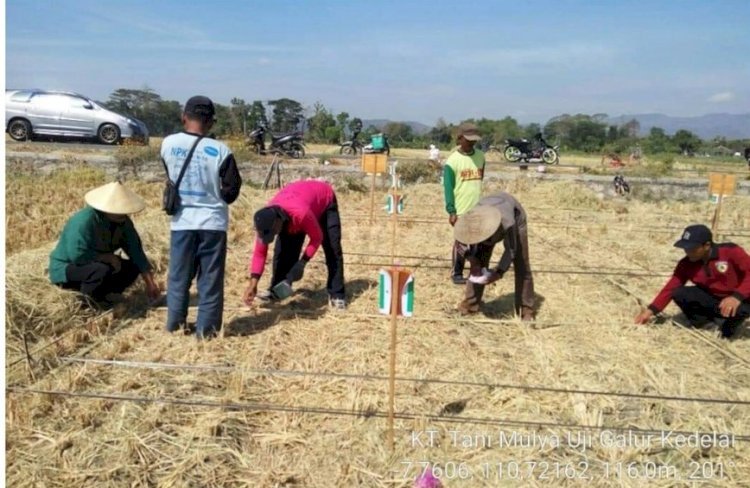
pixel 398 60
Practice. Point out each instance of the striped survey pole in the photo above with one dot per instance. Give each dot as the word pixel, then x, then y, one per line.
pixel 395 292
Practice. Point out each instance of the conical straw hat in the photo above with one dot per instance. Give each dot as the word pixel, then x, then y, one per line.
pixel 114 198
pixel 477 225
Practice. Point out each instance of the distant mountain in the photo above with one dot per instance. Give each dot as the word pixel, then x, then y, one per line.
pixel 731 126
pixel 418 127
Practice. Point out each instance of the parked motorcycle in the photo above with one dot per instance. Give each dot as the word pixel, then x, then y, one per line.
pixel 291 144
pixel 525 150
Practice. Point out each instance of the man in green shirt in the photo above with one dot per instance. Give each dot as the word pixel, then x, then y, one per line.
pixel 84 258
pixel 462 184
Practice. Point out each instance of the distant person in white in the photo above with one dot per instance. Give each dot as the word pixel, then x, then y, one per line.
pixel 434 153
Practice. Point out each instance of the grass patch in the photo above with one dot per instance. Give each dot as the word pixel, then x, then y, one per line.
pixel 131 158
pixel 416 172
pixel 39 204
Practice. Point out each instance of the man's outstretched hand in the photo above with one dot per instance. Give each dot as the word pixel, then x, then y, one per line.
pixel 250 292
pixel 644 316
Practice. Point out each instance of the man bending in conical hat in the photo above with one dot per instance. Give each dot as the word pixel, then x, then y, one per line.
pixel 84 258
pixel 498 217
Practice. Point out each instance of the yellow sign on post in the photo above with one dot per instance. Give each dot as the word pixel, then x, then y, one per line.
pixel 719 186
pixel 374 163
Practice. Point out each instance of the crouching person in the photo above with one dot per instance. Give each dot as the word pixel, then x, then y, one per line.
pixel 84 258
pixel 721 275
pixel 302 208
pixel 498 217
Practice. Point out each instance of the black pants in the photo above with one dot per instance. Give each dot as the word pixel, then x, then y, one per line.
pixel 98 279
pixel 288 251
pixel 699 306
pixel 458 259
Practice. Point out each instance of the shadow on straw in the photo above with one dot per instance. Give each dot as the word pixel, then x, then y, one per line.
pixel 314 303
pixel 503 307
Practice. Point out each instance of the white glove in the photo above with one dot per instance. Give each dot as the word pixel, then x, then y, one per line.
pixel 481 279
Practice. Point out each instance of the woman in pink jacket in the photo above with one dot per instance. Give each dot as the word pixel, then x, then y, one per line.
pixel 303 208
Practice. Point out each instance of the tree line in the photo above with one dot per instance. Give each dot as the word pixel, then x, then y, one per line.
pixel 579 132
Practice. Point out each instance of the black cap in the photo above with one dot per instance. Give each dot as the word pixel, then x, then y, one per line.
pixel 200 106
pixel 694 236
pixel 264 220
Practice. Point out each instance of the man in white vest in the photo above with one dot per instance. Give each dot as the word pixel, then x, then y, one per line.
pixel 198 244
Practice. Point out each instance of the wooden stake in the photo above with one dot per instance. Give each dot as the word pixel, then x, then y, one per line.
pixel 278 175
pixel 394 322
pixel 392 374
pixel 717 215
pixel 372 197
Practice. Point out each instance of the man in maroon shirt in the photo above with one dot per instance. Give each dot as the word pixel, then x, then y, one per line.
pixel 721 275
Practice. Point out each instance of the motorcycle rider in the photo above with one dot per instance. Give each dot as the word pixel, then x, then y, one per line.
pixel 259 137
pixel 539 143
pixel 356 129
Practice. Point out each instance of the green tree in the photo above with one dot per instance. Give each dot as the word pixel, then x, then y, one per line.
pixel 238 111
pixel 657 141
pixel 319 123
pixel 133 101
pixel 223 125
pixel 686 142
pixel 257 116
pixel 613 133
pixel 441 133
pixel 167 119
pixel 162 117
pixel 342 122
pixel 579 132
pixel 398 131
pixel 332 135
pixel 531 130
pixel 286 115
pixel 630 129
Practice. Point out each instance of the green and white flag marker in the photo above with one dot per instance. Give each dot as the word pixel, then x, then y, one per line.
pixel 407 297
pixel 385 287
pixel 396 202
pixel 396 289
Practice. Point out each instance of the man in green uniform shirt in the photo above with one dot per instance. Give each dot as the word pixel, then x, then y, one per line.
pixel 462 183
pixel 84 258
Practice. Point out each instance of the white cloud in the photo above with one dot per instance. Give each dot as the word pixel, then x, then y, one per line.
pixel 550 56
pixel 721 97
pixel 216 46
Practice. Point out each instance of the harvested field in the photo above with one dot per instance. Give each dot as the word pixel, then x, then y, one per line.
pixel 252 408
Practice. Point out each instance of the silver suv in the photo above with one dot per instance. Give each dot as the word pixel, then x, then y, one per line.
pixel 39 112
